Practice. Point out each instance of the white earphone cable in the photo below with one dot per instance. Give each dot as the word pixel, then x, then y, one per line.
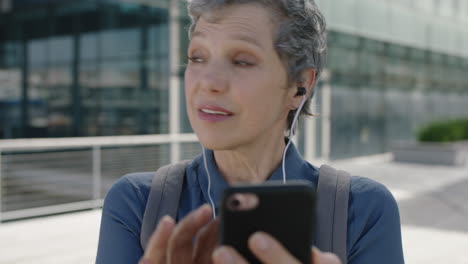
pixel 291 130
pixel 209 184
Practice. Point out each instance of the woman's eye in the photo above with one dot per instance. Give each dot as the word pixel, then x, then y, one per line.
pixel 195 59
pixel 243 63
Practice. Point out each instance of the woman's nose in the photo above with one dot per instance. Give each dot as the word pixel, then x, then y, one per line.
pixel 214 79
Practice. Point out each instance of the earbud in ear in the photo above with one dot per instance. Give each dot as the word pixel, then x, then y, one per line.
pixel 301 91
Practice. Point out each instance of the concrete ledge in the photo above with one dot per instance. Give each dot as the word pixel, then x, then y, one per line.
pixel 453 154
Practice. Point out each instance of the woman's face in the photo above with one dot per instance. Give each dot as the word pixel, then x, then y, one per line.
pixel 235 83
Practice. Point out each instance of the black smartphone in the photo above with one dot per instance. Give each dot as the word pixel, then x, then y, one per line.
pixel 285 211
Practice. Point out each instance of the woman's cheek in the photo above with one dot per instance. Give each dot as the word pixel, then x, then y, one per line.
pixel 190 81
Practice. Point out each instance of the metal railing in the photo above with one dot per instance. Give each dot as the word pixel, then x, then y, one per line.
pixel 48 176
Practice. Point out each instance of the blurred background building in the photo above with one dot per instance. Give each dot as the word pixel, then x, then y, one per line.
pixel 88 70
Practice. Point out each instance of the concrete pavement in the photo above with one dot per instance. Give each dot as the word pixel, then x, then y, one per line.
pixel 433 202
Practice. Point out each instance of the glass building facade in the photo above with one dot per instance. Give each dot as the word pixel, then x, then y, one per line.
pixel 77 68
pixel 383 92
pixel 83 68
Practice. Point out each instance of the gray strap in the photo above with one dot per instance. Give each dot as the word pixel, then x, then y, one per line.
pixel 163 198
pixel 332 205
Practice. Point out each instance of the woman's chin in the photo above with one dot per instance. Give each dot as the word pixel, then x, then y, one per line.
pixel 216 142
pixel 214 145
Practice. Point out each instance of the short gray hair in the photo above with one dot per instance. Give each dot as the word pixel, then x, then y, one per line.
pixel 301 40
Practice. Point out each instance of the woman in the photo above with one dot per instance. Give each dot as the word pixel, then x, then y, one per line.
pixel 252 66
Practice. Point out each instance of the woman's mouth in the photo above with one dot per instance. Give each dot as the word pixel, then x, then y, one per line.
pixel 214 114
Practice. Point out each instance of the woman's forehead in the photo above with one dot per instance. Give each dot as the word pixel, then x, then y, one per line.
pixel 249 9
pixel 250 23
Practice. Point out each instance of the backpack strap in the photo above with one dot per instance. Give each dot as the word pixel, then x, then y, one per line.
pixel 332 205
pixel 163 198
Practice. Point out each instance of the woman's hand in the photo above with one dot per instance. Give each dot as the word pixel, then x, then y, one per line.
pixel 269 251
pixel 172 243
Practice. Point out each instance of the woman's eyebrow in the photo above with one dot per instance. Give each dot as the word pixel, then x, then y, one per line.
pixel 199 34
pixel 249 39
pixel 241 37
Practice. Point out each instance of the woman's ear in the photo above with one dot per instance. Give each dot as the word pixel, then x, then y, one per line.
pixel 306 81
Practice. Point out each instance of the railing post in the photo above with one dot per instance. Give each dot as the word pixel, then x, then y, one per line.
pixel 310 138
pixel 310 130
pixel 326 115
pixel 174 86
pixel 97 174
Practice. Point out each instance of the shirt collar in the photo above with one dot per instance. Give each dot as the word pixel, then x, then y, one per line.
pixel 296 169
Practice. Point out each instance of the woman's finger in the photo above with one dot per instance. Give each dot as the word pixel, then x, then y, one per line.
pixel 206 242
pixel 269 250
pixel 227 255
pixel 156 249
pixel 180 247
pixel 320 257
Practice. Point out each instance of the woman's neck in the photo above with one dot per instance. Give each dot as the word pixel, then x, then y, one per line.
pixel 252 164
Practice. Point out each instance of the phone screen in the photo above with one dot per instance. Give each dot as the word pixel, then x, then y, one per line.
pixel 285 211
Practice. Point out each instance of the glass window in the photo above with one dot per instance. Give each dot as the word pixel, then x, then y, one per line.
pixel 341 59
pixel 60 49
pixel 117 87
pixel 115 104
pixel 159 88
pixel 158 39
pixel 37 52
pixel 12 54
pixel 10 102
pixel 89 47
pixel 3 51
pixel 120 43
pixel 49 91
pixel 90 98
pixel 343 40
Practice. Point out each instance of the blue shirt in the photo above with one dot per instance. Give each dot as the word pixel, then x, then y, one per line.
pixel 374 234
